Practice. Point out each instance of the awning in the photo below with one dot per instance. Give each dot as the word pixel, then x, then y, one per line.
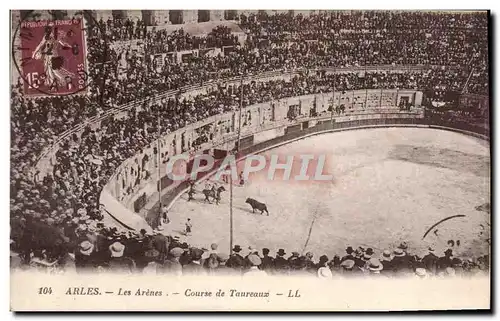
pixel 119 216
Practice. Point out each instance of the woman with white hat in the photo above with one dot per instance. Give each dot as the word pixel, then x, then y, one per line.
pixel 85 258
pixel 374 266
pixel 324 271
pixel 118 262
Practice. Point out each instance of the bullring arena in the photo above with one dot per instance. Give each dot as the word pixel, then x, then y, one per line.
pixel 390 185
pixel 405 135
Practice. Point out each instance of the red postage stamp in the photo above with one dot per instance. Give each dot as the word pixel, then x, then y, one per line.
pixel 53 59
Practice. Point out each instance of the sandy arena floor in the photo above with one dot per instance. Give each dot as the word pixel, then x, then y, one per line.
pixel 390 185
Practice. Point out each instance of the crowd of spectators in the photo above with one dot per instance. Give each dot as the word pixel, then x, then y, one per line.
pixel 103 250
pixel 66 202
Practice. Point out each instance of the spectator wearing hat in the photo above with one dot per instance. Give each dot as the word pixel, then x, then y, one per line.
pixel 119 263
pixel 374 267
pixel 386 261
pixel 253 270
pixel 251 250
pixel 211 263
pixel 281 264
pixel 349 250
pixel 348 268
pixel 267 261
pixel 457 265
pixel 367 255
pixel 324 271
pixel 160 243
pixel 293 261
pixel 421 273
pixel 85 258
pixel 213 248
pixel 310 266
pixel 222 269
pixel 194 267
pixel 446 260
pixel 401 261
pixel 430 261
pixel 447 272
pixel 172 265
pixel 236 261
pixel 152 266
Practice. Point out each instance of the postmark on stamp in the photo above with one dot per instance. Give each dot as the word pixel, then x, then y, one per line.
pixel 51 56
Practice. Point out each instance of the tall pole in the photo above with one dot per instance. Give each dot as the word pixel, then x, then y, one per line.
pixel 159 168
pixel 231 180
pixel 365 62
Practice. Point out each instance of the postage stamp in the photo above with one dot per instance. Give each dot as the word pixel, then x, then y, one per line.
pixel 53 57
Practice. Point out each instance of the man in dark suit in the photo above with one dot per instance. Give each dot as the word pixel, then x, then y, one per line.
pixel 267 261
pixel 236 261
pixel 310 266
pixel 280 263
pixel 387 262
pixel 349 255
pixel 194 267
pixel 293 261
pixel 401 261
pixel 430 261
pixel 445 261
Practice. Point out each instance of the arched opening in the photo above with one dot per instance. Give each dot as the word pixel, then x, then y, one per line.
pixel 230 14
pixel 203 15
pixel 119 14
pixel 148 17
pixel 176 17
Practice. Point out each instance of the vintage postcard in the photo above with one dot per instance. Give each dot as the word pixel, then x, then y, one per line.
pixel 250 160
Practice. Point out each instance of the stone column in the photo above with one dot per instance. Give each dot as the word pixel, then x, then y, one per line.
pixel 189 16
pixel 104 14
pixel 134 15
pixel 161 17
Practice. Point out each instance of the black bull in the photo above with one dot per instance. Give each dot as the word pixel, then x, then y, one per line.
pixel 257 205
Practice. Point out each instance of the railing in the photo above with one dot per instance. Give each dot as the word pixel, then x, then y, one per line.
pixel 224 139
pixel 170 93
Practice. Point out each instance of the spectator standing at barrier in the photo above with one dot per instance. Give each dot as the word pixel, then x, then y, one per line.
pixel 430 261
pixel 222 269
pixel 119 263
pixel 172 266
pixel 323 270
pixel 401 261
pixel 194 267
pixel 236 261
pixel 309 264
pixel 280 263
pixel 253 271
pixel 445 261
pixel 84 258
pixel 387 262
pixel 267 261
pixel 349 256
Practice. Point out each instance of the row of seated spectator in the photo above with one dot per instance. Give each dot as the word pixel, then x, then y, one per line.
pixel 104 250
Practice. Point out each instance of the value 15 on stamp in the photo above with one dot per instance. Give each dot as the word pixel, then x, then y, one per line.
pixel 53 57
